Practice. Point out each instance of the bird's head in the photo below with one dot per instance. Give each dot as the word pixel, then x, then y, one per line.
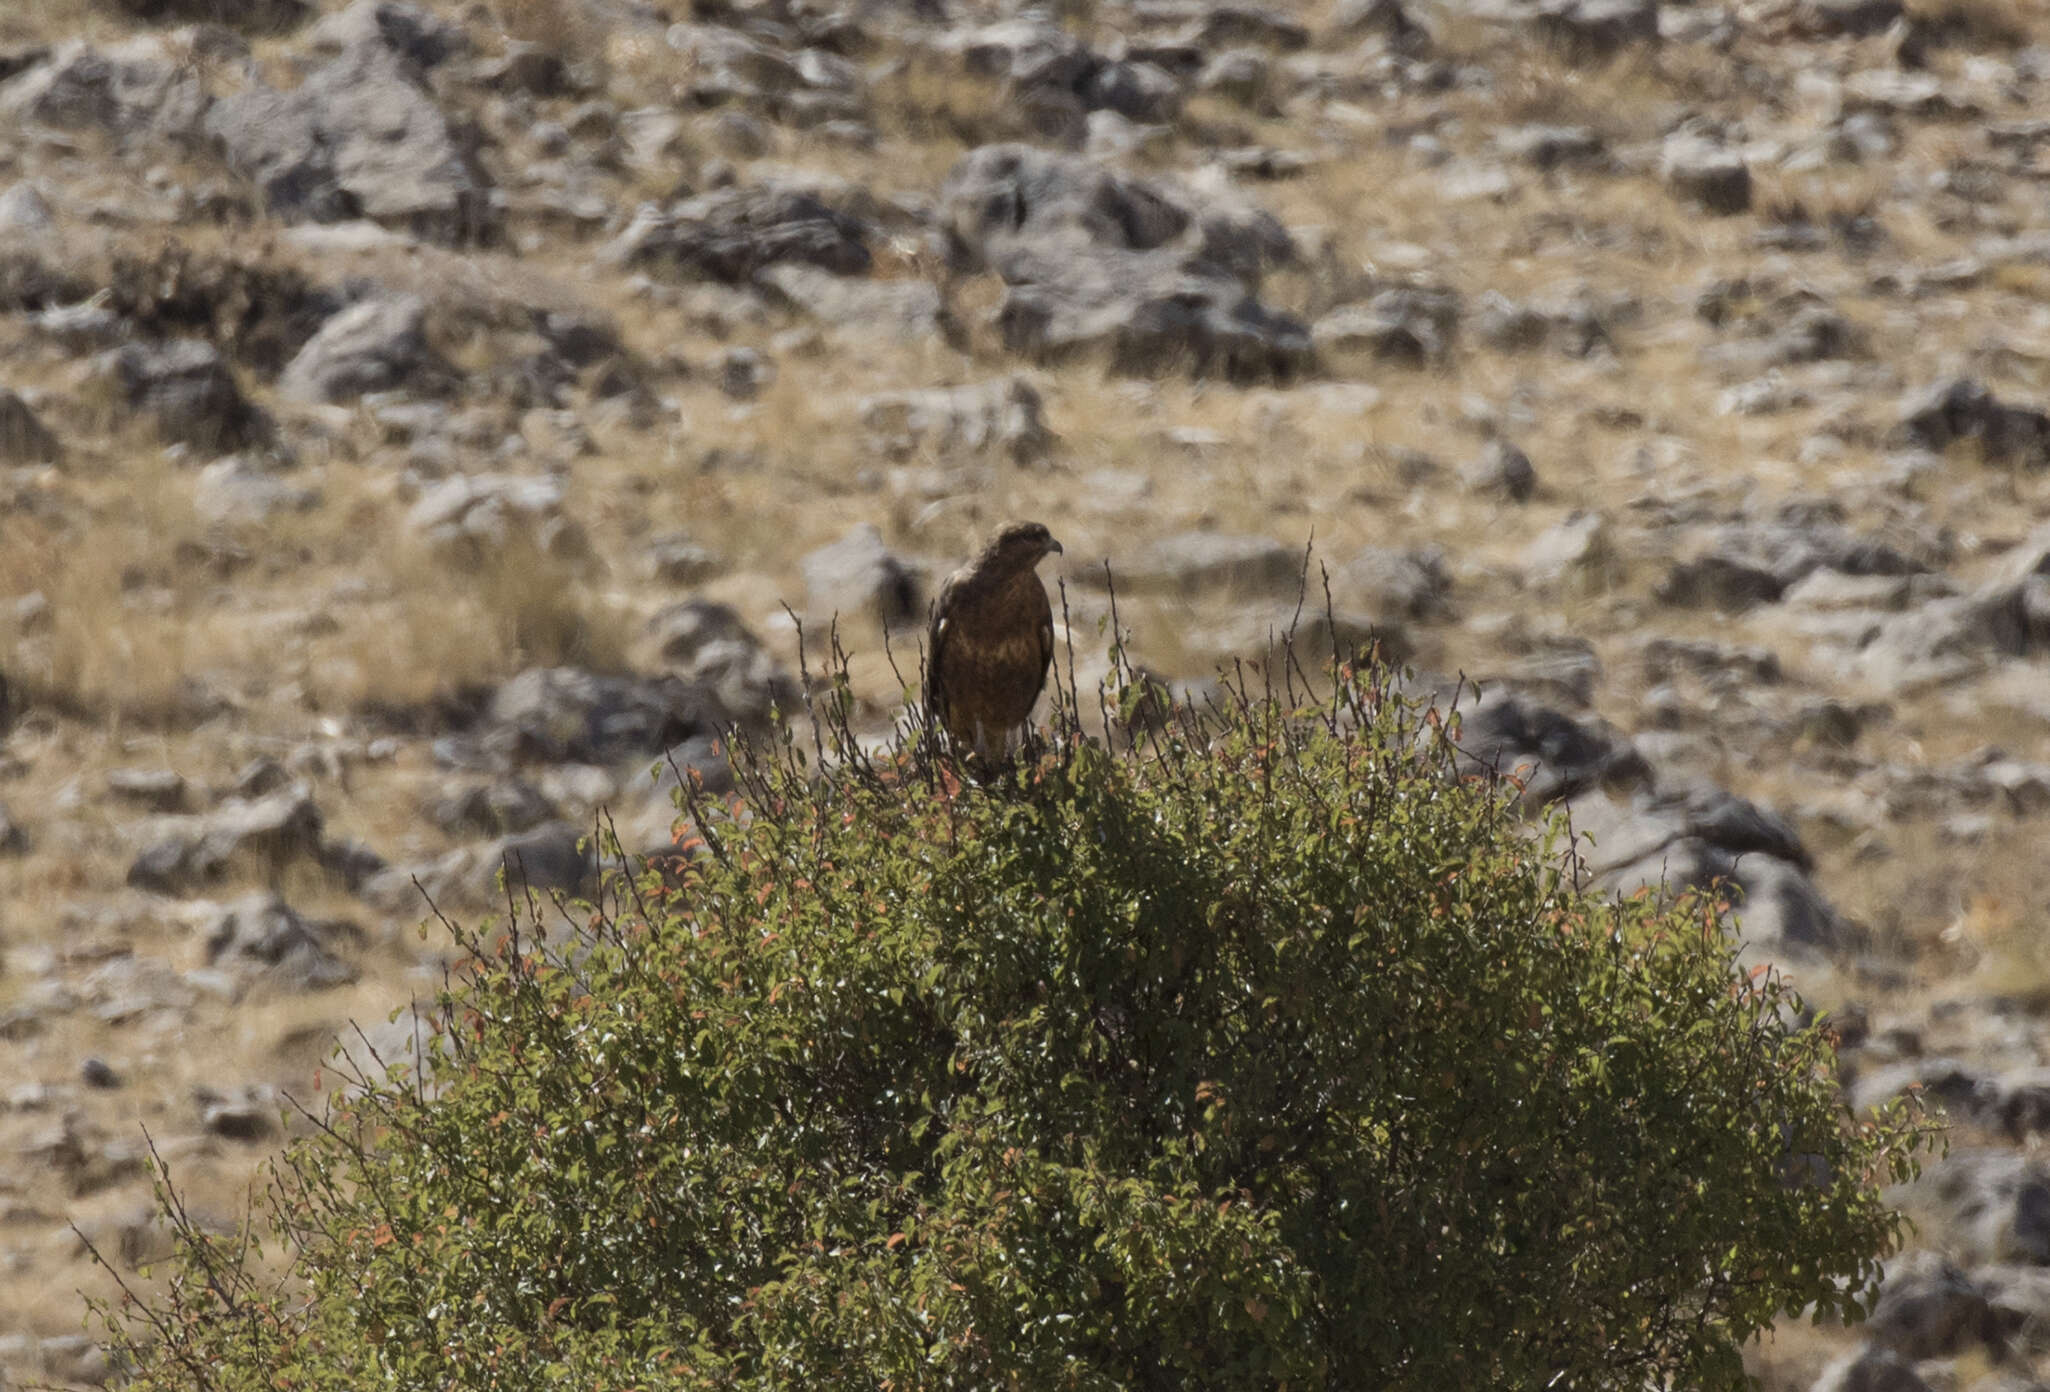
pixel 1022 545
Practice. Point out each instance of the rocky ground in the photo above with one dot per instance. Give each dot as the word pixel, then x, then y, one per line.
pixel 417 417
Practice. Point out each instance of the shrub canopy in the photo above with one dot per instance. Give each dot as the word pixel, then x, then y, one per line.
pixel 1273 1055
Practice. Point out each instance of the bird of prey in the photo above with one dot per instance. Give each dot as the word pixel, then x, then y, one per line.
pixel 991 641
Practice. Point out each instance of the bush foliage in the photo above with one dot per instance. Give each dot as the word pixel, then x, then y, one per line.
pixel 1269 1055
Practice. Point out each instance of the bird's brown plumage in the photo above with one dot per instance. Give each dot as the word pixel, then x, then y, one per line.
pixel 991 641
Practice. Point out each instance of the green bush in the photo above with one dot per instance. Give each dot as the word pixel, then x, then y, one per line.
pixel 1275 1055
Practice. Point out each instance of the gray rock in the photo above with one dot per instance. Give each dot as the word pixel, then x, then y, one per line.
pixel 158 789
pixel 23 438
pixel 409 30
pixel 732 234
pixel 1962 409
pixel 1960 1089
pixel 553 858
pixel 1846 18
pixel 1712 178
pixel 1408 583
pixel 1554 754
pixel 1870 1368
pixel 556 715
pixel 1149 276
pixel 676 559
pixel 1003 416
pixel 1993 1203
pixel 1929 1308
pixel 1143 313
pixel 1756 563
pixel 247 1114
pixel 742 372
pixel 249 16
pixel 246 488
pixel 1936 644
pixel 375 345
pixel 905 310
pixel 185 386
pixel 1574 327
pixel 859 576
pixel 707 643
pixel 1242 75
pixel 1386 19
pixel 360 138
pixel 261 937
pixel 480 514
pixel 1413 324
pixel 1592 31
pixel 13 838
pixel 1236 22
pixel 126 89
pixel 491 809
pixel 1503 471
pixel 1579 549
pixel 238 837
pixel 24 209
pixel 1191 561
pixel 1135 91
pixel 1552 147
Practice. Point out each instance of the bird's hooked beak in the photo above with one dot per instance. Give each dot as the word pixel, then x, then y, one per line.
pixel 1054 548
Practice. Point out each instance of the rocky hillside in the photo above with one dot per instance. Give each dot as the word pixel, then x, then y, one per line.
pixel 416 418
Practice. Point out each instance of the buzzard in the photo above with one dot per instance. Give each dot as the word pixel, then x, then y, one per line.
pixel 991 641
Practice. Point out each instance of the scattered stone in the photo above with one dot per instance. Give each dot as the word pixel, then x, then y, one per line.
pixel 860 576
pixel 249 16
pixel 1929 1308
pixel 1592 31
pixel 730 235
pixel 362 137
pixel 98 1073
pixel 1870 1368
pixel 1503 471
pixel 263 937
pixel 248 1114
pixel 1553 147
pixel 555 715
pixel 1714 179
pixel 1578 549
pixel 553 858
pixel 160 790
pixel 127 89
pixel 238 837
pixel 478 515
pixel 185 386
pixel 708 643
pixel 24 209
pixel 1994 1205
pixel 1153 277
pixel 743 372
pixel 1963 409
pixel 248 488
pixel 1192 561
pixel 23 438
pixel 1412 583
pixel 491 809
pixel 1551 752
pixel 375 345
pixel 1003 416
pixel 905 310
pixel 1409 324
pixel 409 30
pixel 13 839
pixel 678 560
